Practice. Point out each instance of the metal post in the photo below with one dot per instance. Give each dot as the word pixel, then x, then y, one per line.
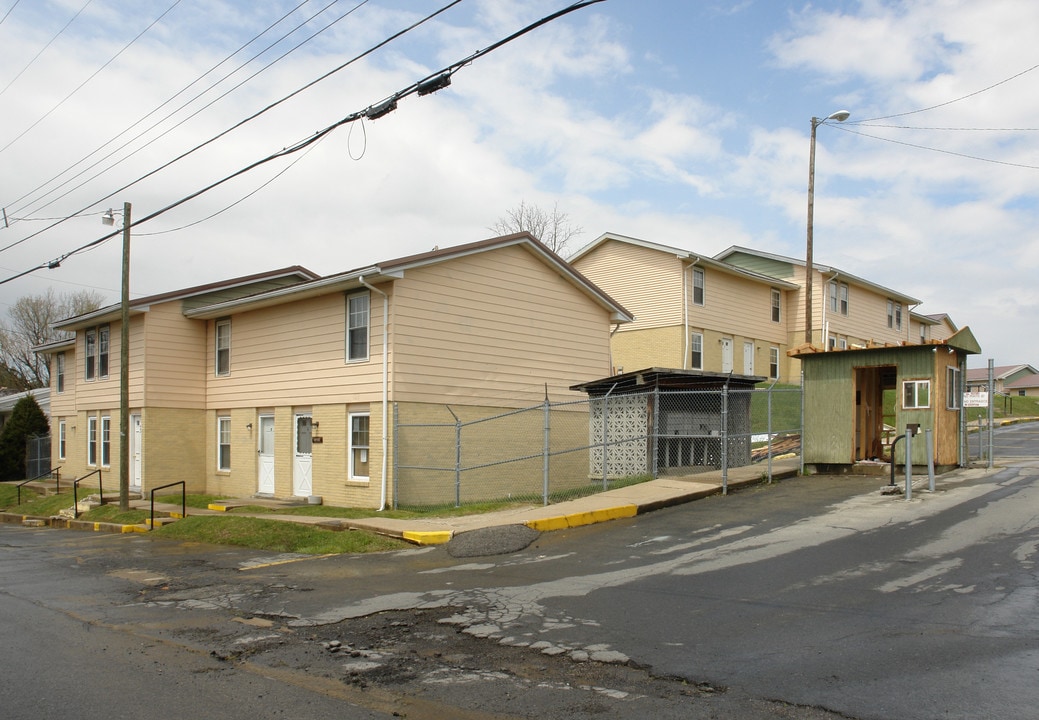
pixel 545 449
pixel 396 455
pixel 768 442
pixel 929 438
pixel 654 437
pixel 605 439
pixel 725 438
pixel 909 464
pixel 991 400
pixel 124 369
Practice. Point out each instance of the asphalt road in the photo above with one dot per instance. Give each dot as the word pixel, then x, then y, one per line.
pixel 818 597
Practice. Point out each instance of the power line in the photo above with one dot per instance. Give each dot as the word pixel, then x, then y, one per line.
pixel 937 150
pixel 947 102
pixel 9 11
pixel 238 124
pixel 427 85
pixel 23 208
pixel 92 76
pixel 44 48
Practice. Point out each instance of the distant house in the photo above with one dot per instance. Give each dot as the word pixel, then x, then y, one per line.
pixel 285 384
pixel 742 310
pixel 7 402
pixel 1006 378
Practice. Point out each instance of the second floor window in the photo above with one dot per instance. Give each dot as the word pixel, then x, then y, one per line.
pixel 698 287
pixel 95 351
pixel 357 320
pixel 894 315
pixel 838 297
pixel 777 301
pixel 59 373
pixel 222 361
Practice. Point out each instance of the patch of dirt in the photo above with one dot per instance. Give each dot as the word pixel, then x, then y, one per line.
pixel 414 665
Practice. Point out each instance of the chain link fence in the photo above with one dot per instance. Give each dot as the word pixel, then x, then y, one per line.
pixel 454 456
pixel 37 455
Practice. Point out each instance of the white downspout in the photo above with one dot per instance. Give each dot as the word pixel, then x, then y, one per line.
pixel 385 384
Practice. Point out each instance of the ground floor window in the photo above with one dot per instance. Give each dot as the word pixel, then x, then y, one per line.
pixel 62 438
pixel 696 351
pixel 359 446
pixel 92 441
pixel 773 363
pixel 223 443
pixel 106 441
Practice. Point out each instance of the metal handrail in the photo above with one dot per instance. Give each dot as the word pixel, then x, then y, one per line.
pixel 75 491
pixel 183 501
pixel 55 473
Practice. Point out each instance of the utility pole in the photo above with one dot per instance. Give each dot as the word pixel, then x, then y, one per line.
pixel 124 369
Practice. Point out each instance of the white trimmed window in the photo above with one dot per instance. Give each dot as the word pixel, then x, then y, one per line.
pixel 916 394
pixel 357 326
pixel 698 286
pixel 103 347
pixel 59 372
pixel 222 342
pixel 359 446
pixel 777 305
pixel 223 443
pixel 894 315
pixel 90 354
pixel 62 439
pixel 92 441
pixel 953 390
pixel 773 363
pixel 106 441
pixel 696 351
pixel 839 297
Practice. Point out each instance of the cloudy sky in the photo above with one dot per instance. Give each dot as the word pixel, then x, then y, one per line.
pixel 681 123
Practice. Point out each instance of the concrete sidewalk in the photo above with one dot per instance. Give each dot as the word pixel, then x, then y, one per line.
pixel 601 507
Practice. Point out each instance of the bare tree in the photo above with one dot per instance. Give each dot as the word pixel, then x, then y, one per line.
pixel 553 228
pixel 29 325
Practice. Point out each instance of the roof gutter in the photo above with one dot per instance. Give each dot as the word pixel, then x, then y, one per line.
pixel 385 384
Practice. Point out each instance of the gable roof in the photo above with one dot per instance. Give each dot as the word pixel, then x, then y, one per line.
pixel 698 260
pixel 999 372
pixel 824 269
pixel 395 269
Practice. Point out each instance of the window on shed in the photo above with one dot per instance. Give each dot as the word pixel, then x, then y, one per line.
pixel 954 393
pixel 916 394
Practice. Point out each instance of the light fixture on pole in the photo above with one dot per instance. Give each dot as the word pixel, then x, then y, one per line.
pixel 124 360
pixel 839 116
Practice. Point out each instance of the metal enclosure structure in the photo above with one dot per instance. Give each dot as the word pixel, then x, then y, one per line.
pixel 845 421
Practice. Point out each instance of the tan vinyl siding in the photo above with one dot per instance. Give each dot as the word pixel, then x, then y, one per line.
pixel 495 328
pixel 738 305
pixel 172 369
pixel 63 403
pixel 647 282
pixel 295 354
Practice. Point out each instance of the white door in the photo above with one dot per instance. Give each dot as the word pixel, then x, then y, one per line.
pixel 135 453
pixel 302 485
pixel 726 355
pixel 748 358
pixel 265 485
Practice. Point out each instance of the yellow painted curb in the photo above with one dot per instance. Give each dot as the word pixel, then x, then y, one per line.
pixel 432 537
pixel 584 518
pixel 216 507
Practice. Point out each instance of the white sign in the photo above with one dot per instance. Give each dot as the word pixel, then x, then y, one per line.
pixel 975 399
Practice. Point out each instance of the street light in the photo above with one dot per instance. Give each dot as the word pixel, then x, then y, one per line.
pixel 839 116
pixel 124 361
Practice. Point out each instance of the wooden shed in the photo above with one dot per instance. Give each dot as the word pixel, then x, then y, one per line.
pixel 846 418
